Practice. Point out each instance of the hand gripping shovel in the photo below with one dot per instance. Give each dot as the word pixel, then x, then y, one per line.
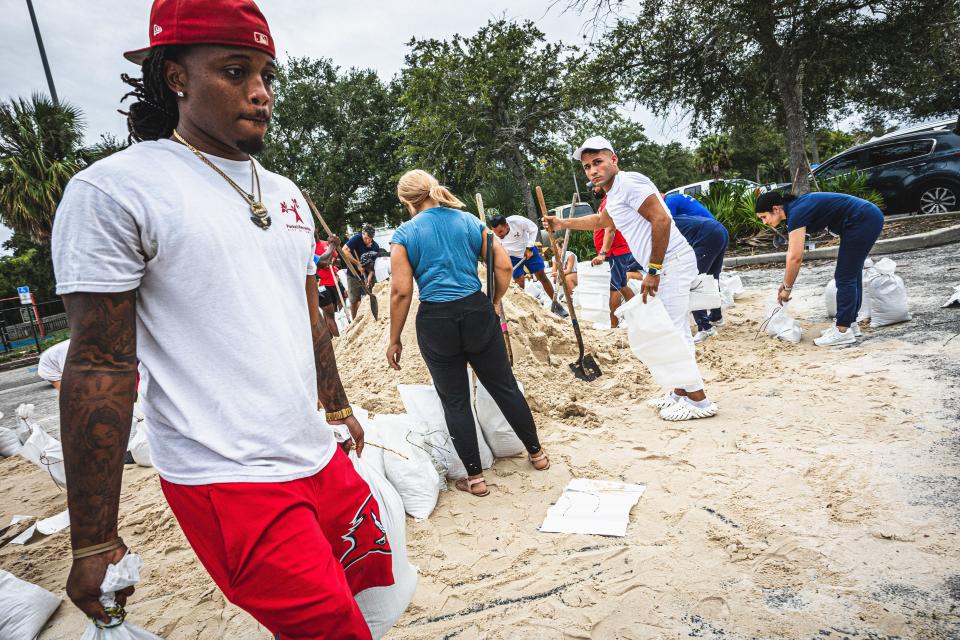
pixel 491 281
pixel 586 367
pixel 374 305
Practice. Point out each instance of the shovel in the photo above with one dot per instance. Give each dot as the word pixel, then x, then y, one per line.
pixel 374 305
pixel 586 367
pixel 491 284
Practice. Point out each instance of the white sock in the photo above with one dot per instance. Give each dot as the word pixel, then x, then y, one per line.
pixel 674 396
pixel 699 404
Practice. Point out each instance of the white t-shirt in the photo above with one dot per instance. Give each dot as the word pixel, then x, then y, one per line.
pixel 50 367
pixel 228 382
pixel 522 236
pixel 566 259
pixel 630 190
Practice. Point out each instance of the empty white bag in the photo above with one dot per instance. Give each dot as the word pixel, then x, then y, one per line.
pixel 704 293
pixel 781 325
pixel 24 608
pixel 424 408
pixel 382 606
pixel 888 296
pixel 411 469
pixel 139 447
pixel 46 453
pixel 658 343
pixel 119 576
pixel 498 433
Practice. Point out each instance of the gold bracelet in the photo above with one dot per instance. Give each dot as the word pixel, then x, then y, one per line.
pixel 96 549
pixel 339 415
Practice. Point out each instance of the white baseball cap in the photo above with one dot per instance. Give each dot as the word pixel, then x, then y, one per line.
pixel 596 143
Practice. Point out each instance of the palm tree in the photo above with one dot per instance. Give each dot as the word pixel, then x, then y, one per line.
pixel 713 155
pixel 40 150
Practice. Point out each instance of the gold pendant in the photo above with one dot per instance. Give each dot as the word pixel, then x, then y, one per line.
pixel 260 215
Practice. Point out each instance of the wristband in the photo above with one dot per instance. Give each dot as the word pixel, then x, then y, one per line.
pixel 786 288
pixel 339 415
pixel 96 549
pixel 602 253
pixel 655 265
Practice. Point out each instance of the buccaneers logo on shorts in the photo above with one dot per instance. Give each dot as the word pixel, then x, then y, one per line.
pixel 366 535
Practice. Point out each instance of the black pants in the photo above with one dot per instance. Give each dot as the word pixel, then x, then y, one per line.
pixel 710 250
pixel 467 331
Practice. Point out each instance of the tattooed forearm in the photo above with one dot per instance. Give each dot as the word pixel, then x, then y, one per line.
pixel 329 387
pixel 96 407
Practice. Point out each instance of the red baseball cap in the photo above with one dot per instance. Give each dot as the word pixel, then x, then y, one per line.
pixel 234 22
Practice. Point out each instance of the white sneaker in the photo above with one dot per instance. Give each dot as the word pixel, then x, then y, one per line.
pixel 686 410
pixel 719 324
pixel 855 326
pixel 660 402
pixel 834 337
pixel 703 335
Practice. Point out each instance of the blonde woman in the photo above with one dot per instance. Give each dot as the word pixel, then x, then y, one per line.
pixel 456 324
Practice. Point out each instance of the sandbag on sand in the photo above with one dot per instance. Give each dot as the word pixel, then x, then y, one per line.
pixel 383 606
pixel 412 473
pixel 24 607
pixel 888 296
pixel 46 453
pixel 780 325
pixel 497 432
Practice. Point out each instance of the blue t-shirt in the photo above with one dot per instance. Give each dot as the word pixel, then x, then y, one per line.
pixel 819 210
pixel 700 230
pixel 358 248
pixel 680 204
pixel 443 246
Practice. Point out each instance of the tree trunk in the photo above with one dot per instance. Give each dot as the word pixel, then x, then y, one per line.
pixel 791 95
pixel 814 151
pixel 515 161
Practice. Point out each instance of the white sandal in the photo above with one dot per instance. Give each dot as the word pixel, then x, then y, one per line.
pixel 662 402
pixel 685 410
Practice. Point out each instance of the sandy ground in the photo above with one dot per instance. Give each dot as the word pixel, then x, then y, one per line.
pixel 821 503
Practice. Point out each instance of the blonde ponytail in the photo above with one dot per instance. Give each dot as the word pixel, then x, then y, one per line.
pixel 416 186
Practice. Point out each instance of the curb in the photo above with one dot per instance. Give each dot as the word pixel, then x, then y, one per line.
pixel 935 238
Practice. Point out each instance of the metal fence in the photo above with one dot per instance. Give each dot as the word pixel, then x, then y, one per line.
pixel 18 323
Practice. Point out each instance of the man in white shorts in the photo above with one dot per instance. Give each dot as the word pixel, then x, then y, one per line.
pixel 634 205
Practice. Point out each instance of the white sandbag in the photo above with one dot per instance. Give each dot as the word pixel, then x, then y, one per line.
pixel 381 269
pixel 952 301
pixel 780 324
pixel 412 472
pixel 139 447
pixel 869 273
pixel 424 408
pixel 705 293
pixel 373 455
pixel 497 432
pixel 24 607
pixel 658 344
pixel 382 606
pixel 46 453
pixel 9 442
pixel 733 284
pixel 830 298
pixel 125 573
pixel 24 422
pixel 888 296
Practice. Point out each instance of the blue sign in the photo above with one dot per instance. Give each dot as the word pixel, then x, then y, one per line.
pixel 23 290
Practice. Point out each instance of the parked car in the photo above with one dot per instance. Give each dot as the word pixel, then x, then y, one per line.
pixel 582 209
pixel 917 171
pixel 699 188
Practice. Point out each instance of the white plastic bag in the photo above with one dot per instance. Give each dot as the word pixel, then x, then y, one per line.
pixel 119 576
pixel 657 342
pixel 830 298
pixel 410 470
pixel 704 293
pixel 382 606
pixel 780 325
pixel 424 408
pixel 46 453
pixel 24 422
pixel 24 607
pixel 497 432
pixel 888 296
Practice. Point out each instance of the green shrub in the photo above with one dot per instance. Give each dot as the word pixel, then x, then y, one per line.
pixel 853 184
pixel 733 206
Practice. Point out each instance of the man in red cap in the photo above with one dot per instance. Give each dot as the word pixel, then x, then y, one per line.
pixel 184 252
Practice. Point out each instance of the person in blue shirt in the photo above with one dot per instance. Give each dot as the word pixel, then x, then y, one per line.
pixel 856 221
pixel 353 250
pixel 709 240
pixel 456 323
pixel 680 204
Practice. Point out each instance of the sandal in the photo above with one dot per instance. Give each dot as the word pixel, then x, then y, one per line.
pixel 537 458
pixel 466 485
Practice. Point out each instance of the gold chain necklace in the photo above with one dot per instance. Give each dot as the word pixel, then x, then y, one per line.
pixel 261 216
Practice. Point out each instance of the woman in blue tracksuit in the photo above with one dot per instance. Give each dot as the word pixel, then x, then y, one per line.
pixel 856 221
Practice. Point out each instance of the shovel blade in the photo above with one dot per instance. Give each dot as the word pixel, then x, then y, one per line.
pixel 586 369
pixel 374 306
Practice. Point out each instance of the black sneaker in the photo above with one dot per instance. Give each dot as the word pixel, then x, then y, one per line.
pixel 559 310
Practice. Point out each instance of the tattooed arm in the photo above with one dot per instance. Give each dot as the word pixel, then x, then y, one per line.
pixel 329 387
pixel 96 407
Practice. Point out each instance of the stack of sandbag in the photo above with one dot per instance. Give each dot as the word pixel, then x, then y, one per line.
pixel 657 342
pixel 592 295
pixel 126 573
pixel 830 293
pixel 779 324
pixel 497 432
pixel 24 607
pixel 382 606
pixel 407 462
pixel 9 442
pixel 888 296
pixel 731 288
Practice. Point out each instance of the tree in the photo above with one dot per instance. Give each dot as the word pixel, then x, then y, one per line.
pixel 495 100
pixel 793 61
pixel 40 150
pixel 713 155
pixel 334 134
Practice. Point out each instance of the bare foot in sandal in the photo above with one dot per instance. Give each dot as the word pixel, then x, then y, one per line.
pixel 474 485
pixel 540 461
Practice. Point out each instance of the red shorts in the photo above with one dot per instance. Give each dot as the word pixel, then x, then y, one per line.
pixel 292 554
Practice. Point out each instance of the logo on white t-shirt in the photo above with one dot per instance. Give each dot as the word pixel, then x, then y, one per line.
pixel 294 208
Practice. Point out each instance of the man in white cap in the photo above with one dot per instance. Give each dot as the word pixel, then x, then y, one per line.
pixel 635 207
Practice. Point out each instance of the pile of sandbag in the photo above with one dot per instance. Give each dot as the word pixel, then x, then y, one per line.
pixel 780 325
pixel 884 295
pixel 592 295
pixel 731 288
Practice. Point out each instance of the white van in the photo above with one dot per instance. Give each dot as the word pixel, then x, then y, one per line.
pixel 698 188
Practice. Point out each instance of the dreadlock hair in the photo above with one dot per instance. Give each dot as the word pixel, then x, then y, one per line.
pixel 155 113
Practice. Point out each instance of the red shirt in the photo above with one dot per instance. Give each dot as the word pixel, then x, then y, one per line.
pixel 619 246
pixel 324 276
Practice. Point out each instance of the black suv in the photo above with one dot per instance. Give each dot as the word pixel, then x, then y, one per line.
pixel 917 171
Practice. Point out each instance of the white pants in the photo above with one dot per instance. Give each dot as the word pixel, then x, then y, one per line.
pixel 674 292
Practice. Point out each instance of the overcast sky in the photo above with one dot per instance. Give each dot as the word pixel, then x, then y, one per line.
pixel 84 40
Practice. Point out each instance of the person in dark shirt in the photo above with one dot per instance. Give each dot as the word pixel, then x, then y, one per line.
pixel 353 249
pixel 680 204
pixel 709 240
pixel 856 221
